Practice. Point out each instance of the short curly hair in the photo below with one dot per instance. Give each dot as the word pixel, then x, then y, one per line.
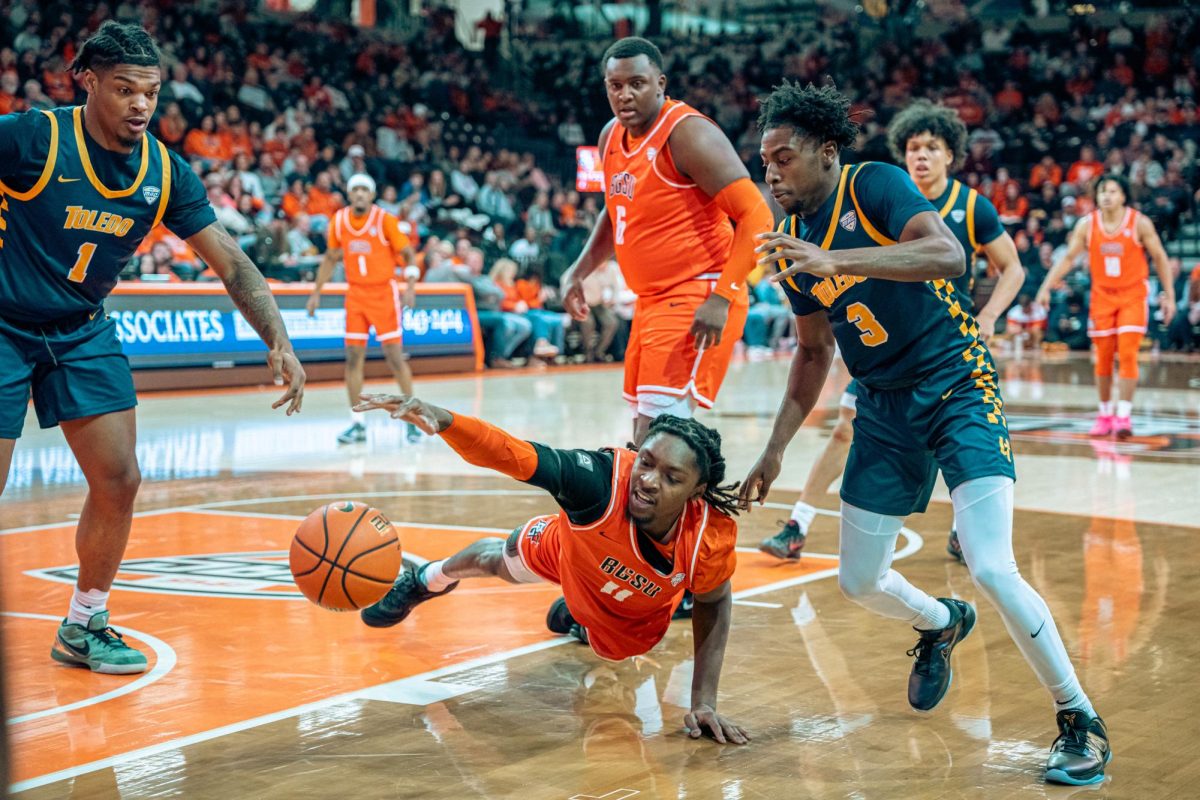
pixel 820 113
pixel 925 117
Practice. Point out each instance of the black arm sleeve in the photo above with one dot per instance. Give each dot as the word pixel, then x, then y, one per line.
pixel 579 480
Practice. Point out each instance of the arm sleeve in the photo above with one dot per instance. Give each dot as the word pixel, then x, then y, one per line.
pixel 188 209
pixel 717 558
pixel 987 222
pixel 579 480
pixel 888 197
pixel 744 204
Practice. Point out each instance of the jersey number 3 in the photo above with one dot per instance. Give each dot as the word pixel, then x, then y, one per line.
pixel 79 271
pixel 861 317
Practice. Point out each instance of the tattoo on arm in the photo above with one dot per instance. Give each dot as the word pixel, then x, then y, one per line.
pixel 250 292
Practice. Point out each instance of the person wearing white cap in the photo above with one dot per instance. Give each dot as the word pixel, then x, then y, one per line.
pixel 374 250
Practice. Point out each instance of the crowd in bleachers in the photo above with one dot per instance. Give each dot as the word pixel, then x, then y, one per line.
pixel 275 114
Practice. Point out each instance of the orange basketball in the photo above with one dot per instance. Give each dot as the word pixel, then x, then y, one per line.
pixel 345 556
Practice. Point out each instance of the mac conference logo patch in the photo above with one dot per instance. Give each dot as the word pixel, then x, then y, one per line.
pixel 849 221
pixel 151 193
pixel 958 215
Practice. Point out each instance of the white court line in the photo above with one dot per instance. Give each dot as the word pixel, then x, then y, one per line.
pixel 757 604
pixel 913 544
pixel 164 662
pixel 401 523
pixel 69 522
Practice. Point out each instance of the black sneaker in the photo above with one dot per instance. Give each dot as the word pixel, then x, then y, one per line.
pixel 558 618
pixel 406 593
pixel 931 674
pixel 954 548
pixel 787 544
pixel 355 434
pixel 684 609
pixel 1080 753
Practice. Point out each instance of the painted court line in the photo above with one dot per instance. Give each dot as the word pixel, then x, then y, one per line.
pixel 164 662
pixel 912 545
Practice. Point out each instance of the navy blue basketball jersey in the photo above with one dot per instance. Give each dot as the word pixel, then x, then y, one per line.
pixel 892 334
pixel 973 220
pixel 72 213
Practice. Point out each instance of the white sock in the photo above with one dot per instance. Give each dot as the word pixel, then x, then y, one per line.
pixel 356 418
pixel 983 508
pixel 803 514
pixel 1124 408
pixel 1106 408
pixel 432 576
pixel 84 605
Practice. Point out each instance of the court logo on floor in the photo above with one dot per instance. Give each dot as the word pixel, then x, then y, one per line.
pixel 262 575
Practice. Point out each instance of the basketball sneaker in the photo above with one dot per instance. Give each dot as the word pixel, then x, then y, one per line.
pixel 1103 426
pixel 97 647
pixel 1080 753
pixel 931 673
pixel 408 592
pixel 954 548
pixel 1123 427
pixel 559 620
pixel 684 609
pixel 411 432
pixel 355 434
pixel 787 544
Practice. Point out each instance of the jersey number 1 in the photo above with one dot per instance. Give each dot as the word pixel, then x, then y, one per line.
pixel 861 317
pixel 1112 266
pixel 79 271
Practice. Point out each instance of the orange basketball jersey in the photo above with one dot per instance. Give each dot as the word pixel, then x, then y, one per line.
pixel 615 592
pixel 371 245
pixel 1118 261
pixel 665 229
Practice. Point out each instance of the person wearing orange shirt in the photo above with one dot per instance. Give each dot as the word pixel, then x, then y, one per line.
pixel 682 216
pixel 1117 239
pixel 372 247
pixel 634 530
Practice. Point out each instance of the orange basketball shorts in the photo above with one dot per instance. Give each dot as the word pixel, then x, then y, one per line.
pixel 1116 312
pixel 375 306
pixel 662 357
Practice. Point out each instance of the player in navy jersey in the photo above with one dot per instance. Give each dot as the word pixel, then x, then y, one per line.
pixel 865 259
pixel 928 140
pixel 79 190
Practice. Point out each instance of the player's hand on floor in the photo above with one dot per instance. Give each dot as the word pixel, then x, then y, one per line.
pixel 801 255
pixel 429 418
pixel 702 720
pixel 710 321
pixel 286 368
pixel 759 479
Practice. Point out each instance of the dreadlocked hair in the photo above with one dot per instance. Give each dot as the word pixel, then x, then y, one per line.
pixel 115 44
pixel 822 114
pixel 706 444
pixel 925 117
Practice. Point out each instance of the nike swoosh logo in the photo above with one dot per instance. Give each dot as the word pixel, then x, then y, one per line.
pixel 947 394
pixel 61 179
pixel 83 651
pixel 1034 635
pixel 733 286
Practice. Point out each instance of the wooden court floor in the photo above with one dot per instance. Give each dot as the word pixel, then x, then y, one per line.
pixel 254 693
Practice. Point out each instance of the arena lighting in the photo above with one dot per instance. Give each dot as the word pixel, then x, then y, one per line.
pixel 1081 9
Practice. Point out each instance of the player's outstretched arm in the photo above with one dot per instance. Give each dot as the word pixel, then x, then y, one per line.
pixel 1075 248
pixel 926 251
pixel 810 366
pixel 252 296
pixel 1150 240
pixel 710 631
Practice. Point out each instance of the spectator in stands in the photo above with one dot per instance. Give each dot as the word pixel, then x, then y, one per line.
pixel 1085 169
pixel 322 202
pixel 494 201
pixel 1012 208
pixel 1025 324
pixel 503 332
pixel 526 250
pixel 767 321
pixel 600 291
pixel 526 296
pixel 1045 172
pixel 156 265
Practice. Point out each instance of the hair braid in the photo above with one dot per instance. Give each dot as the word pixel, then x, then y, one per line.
pixel 115 44
pixel 705 442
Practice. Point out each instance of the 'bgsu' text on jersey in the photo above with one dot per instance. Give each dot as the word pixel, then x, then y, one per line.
pixel 665 229
pixel 621 590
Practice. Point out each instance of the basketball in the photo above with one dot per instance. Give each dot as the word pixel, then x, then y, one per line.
pixel 345 556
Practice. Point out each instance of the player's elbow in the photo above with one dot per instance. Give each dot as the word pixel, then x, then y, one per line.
pixel 949 258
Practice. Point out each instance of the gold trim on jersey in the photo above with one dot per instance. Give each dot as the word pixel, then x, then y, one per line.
pixel 837 209
pixel 105 192
pixel 972 196
pixel 957 187
pixel 166 183
pixel 868 228
pixel 47 170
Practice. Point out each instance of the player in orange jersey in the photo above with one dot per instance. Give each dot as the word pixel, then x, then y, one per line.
pixel 674 185
pixel 636 529
pixel 1116 238
pixel 372 246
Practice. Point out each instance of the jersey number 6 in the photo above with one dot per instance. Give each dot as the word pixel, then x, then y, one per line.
pixel 620 232
pixel 79 271
pixel 861 317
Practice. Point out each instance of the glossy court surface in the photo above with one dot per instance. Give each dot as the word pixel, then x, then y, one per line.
pixel 254 693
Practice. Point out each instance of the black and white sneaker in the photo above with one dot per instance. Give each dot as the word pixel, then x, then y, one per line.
pixel 931 673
